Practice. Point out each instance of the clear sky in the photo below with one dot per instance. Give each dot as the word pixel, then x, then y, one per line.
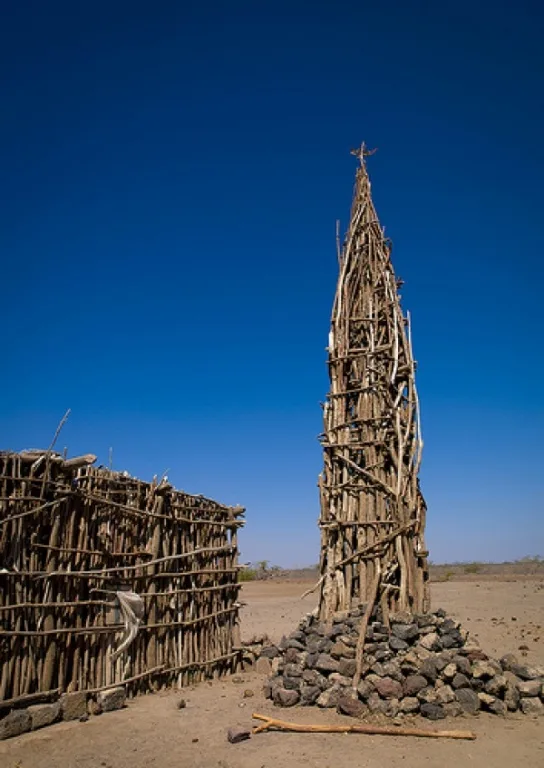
pixel 171 173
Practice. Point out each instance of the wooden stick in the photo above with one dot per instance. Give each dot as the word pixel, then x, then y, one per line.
pixel 373 730
pixel 364 624
pixel 128 680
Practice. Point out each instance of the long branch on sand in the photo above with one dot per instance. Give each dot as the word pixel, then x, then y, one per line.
pixel 376 730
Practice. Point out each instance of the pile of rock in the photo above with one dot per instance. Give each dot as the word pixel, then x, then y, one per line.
pixel 422 664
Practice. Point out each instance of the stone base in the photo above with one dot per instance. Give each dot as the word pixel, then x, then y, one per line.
pixel 422 664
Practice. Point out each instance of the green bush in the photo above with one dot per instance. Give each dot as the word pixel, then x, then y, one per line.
pixel 247 574
pixel 473 568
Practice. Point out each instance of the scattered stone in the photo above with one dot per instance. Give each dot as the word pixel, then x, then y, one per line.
pixel 365 689
pixel 529 688
pixel 376 705
pixel 433 711
pixel 248 693
pixel 111 699
pixel 483 670
pixel 337 679
pixel 512 697
pixel 292 683
pixel 468 699
pixel 405 631
pixel 236 735
pixel 84 718
pixel 329 698
pixel 463 665
pixel 237 680
pixel 326 663
pixel 449 671
pixel 409 705
pixel 453 709
pixel 430 642
pixel 341 651
pixel 347 667
pixel 309 694
pixel 414 684
pixel 18 721
pixel 292 670
pixel 508 661
pixel 43 714
pixel 350 705
pixel 526 672
pixel 496 686
pixel 460 681
pixel 73 705
pixel 283 697
pixel 291 656
pixel 530 707
pixel 428 669
pixel 427 695
pixel 181 704
pixel 388 688
pixel 498 707
pixel 445 695
pixel 295 645
pixel 396 644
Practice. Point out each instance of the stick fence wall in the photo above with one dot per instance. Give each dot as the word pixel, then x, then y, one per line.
pixel 71 537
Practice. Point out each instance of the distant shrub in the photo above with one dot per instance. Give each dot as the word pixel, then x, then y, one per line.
pixel 472 568
pixel 247 574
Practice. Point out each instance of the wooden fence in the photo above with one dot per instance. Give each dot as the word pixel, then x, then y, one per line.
pixel 106 579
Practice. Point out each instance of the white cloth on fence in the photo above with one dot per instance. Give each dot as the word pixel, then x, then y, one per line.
pixel 132 608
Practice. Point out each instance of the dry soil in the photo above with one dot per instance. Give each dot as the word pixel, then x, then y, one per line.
pixel 153 732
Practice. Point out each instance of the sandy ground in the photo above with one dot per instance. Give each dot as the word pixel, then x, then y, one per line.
pixel 152 731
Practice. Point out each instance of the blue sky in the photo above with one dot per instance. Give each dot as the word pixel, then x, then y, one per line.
pixel 171 177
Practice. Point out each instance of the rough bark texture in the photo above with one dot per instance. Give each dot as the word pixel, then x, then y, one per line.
pixel 372 510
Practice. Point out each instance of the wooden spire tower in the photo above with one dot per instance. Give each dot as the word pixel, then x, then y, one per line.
pixel 372 510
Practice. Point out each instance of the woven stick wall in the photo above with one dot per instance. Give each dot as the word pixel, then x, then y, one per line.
pixel 71 538
pixel 372 510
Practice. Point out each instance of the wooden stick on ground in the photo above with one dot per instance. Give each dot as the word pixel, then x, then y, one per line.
pixel 374 730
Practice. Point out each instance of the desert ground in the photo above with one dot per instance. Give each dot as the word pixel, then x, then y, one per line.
pixel 154 731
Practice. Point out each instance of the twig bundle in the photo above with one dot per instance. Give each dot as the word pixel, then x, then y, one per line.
pixel 372 510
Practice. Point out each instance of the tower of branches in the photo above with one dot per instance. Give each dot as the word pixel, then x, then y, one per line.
pixel 372 510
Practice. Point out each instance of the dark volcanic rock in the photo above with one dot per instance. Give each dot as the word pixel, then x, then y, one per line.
pixel 429 669
pixel 388 688
pixel 293 670
pixel 512 697
pixel 347 667
pixel 342 651
pixel 396 644
pixel 309 694
pixel 469 700
pixel 283 697
pixel 460 681
pixel 433 711
pixel 350 705
pixel 405 632
pixel 326 663
pixel 414 684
